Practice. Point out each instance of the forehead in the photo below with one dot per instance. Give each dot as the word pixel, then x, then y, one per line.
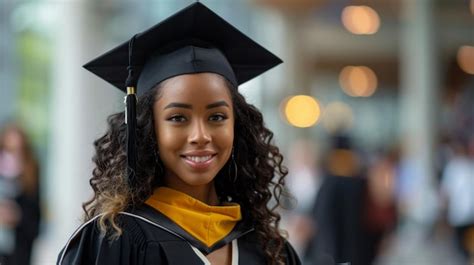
pixel 194 89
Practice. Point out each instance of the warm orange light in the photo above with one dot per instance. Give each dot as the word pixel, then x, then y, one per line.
pixel 466 59
pixel 358 81
pixel 337 116
pixel 360 20
pixel 302 111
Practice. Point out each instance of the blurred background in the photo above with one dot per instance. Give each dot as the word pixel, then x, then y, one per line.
pixel 373 110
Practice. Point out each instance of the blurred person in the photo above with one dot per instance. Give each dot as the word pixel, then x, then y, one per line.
pixel 457 189
pixel 337 206
pixel 354 210
pixel 19 196
pixel 379 214
pixel 188 177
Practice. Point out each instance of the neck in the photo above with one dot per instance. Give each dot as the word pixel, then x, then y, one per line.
pixel 204 193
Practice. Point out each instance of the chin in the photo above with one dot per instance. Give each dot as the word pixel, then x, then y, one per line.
pixel 198 179
pixel 199 182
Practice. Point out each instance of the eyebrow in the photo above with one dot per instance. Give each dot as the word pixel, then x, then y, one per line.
pixel 217 104
pixel 178 105
pixel 188 106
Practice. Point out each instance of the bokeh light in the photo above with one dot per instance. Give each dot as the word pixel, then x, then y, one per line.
pixel 337 116
pixel 302 111
pixel 466 59
pixel 358 81
pixel 362 20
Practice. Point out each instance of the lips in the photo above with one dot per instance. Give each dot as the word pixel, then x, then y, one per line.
pixel 199 160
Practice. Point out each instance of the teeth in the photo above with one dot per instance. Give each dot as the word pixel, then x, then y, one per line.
pixel 198 159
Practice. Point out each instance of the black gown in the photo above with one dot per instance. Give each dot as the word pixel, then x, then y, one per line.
pixel 149 237
pixel 25 231
pixel 337 212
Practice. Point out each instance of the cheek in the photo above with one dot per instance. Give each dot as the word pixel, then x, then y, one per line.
pixel 225 138
pixel 229 136
pixel 167 138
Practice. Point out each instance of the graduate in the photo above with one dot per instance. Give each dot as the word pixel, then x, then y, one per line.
pixel 185 175
pixel 20 211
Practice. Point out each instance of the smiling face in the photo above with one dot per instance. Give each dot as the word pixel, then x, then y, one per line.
pixel 194 125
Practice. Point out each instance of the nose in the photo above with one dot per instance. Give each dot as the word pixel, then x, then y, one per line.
pixel 199 134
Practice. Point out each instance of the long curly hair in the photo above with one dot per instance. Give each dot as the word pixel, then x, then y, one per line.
pixel 260 174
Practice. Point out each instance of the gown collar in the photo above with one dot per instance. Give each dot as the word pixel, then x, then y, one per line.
pixel 167 207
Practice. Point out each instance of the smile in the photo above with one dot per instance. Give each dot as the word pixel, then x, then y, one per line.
pixel 199 162
pixel 198 159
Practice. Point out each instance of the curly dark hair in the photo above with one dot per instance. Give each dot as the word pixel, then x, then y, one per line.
pixel 259 162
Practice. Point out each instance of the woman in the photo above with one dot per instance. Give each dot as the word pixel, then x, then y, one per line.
pixel 201 167
pixel 19 196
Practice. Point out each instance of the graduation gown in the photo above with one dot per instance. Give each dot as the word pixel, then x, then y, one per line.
pixel 149 237
pixel 341 236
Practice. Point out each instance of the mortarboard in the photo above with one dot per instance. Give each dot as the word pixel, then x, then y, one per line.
pixel 193 40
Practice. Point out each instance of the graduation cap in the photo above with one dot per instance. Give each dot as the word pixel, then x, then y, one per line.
pixel 193 40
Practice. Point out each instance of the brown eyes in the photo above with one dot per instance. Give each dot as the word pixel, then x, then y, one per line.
pixel 177 118
pixel 218 117
pixel 182 118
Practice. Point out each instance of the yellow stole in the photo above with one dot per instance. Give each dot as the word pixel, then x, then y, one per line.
pixel 206 223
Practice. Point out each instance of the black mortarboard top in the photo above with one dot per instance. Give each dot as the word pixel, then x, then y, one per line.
pixel 158 49
pixel 194 40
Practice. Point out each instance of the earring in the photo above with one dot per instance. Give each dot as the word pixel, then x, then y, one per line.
pixel 235 167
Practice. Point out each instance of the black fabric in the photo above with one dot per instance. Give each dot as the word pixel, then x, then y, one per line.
pixel 26 231
pixel 340 235
pixel 173 251
pixel 142 243
pixel 193 40
pixel 189 59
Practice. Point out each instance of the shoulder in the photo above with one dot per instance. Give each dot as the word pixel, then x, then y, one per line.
pixel 136 243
